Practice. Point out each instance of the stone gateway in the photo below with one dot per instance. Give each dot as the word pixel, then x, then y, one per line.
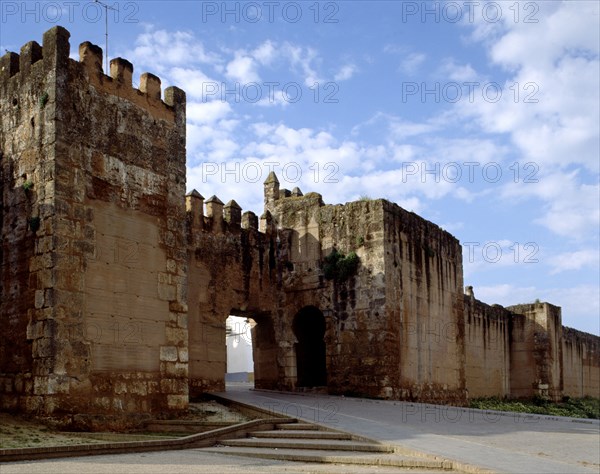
pixel 115 285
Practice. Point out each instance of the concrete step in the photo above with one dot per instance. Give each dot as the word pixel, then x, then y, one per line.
pixel 301 434
pixel 332 445
pixel 334 457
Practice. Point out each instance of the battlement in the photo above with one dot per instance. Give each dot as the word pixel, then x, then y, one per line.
pixel 218 217
pixel 54 55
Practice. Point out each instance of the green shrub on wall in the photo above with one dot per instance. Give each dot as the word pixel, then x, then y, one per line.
pixel 340 267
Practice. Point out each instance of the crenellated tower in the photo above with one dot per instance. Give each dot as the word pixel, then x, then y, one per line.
pixel 93 280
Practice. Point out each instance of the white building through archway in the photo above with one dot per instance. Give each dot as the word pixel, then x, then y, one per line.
pixel 240 365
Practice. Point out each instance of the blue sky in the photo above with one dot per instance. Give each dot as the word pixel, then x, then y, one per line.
pixel 482 117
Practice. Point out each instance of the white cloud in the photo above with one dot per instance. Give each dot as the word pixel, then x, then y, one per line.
pixel 303 59
pixel 207 112
pixel 345 73
pixel 564 28
pixel 574 260
pixel 394 49
pixel 574 216
pixel 411 64
pixel 456 72
pixel 242 69
pixel 549 102
pixel 265 53
pixel 401 129
pixel 571 207
pixel 506 294
pixel 195 83
pixel 162 49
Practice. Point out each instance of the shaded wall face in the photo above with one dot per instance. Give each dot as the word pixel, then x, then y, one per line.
pixel 229 273
pixel 580 363
pixel 424 302
pixel 26 190
pixel 487 349
pixel 536 351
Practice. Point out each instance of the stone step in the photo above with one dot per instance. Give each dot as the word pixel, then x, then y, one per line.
pixel 334 457
pixel 335 445
pixel 300 434
pixel 299 426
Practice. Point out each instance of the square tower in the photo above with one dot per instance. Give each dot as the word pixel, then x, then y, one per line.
pixel 93 275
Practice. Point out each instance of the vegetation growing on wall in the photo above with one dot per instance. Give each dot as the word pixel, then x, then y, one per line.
pixel 44 100
pixel 340 267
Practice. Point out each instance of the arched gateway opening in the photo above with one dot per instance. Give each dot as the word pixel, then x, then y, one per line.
pixel 240 364
pixel 309 329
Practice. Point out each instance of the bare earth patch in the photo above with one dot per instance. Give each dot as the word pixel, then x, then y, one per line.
pixel 17 431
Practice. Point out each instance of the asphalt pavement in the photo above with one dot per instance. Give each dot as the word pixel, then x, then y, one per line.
pixel 502 442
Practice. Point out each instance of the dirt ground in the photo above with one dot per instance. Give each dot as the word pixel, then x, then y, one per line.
pixel 18 431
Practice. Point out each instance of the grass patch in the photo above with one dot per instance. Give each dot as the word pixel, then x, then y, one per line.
pixel 587 407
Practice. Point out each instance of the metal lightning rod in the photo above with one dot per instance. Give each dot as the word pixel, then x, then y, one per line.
pixel 106 8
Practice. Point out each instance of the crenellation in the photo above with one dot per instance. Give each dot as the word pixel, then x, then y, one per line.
pixel 90 56
pixel 9 66
pixel 194 205
pixel 150 85
pixel 106 206
pixel 249 221
pixel 266 223
pixel 121 71
pixel 176 98
pixel 214 212
pixel 232 213
pixel 214 208
pixel 30 54
pixel 56 48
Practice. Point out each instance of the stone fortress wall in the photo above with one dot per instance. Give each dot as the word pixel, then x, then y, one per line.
pixel 114 288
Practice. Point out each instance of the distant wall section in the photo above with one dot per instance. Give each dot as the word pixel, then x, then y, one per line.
pixel 580 363
pixel 487 349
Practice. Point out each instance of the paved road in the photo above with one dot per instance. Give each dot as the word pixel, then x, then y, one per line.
pixel 501 442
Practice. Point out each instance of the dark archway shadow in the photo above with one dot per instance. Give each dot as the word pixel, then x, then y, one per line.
pixel 309 329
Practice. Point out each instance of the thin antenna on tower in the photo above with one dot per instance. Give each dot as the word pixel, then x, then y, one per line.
pixel 106 8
